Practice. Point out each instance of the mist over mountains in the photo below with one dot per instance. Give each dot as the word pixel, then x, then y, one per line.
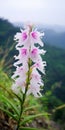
pixel 54 38
pixel 54 34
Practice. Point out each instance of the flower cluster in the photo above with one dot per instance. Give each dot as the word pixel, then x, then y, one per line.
pixel 28 62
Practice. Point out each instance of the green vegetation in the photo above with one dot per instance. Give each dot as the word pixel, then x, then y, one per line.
pixel 55 71
pixel 52 102
pixel 7 45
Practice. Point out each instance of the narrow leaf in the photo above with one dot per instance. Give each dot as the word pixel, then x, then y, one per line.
pixel 27 128
pixel 17 97
pixel 32 107
pixel 28 118
pixel 59 107
pixel 11 104
pixel 8 113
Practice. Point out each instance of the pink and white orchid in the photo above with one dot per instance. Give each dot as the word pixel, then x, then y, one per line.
pixel 28 62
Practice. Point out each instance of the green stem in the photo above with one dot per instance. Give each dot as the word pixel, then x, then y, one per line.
pixel 24 95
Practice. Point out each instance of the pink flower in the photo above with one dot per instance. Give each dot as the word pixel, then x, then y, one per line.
pixel 23 52
pixel 19 85
pixel 34 54
pixel 36 77
pixel 23 56
pixel 34 89
pixel 40 65
pixel 34 51
pixel 24 36
pixel 36 37
pixel 20 72
pixel 28 62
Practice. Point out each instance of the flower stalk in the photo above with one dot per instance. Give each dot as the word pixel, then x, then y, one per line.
pixel 24 95
pixel 27 77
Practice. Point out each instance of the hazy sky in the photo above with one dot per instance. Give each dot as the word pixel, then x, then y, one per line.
pixel 39 11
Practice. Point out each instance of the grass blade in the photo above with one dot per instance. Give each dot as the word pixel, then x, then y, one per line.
pixel 8 113
pixel 28 118
pixel 11 104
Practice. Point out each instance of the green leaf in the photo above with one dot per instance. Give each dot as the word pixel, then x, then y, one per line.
pixel 8 113
pixel 59 107
pixel 11 104
pixel 18 97
pixel 27 128
pixel 11 93
pixel 32 107
pixel 6 89
pixel 28 118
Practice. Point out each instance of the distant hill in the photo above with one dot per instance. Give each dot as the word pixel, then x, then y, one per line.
pixel 55 71
pixel 54 38
pixel 7 44
pixel 54 35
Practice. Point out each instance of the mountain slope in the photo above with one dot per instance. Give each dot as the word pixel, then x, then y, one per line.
pixel 7 45
pixel 55 71
pixel 54 38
